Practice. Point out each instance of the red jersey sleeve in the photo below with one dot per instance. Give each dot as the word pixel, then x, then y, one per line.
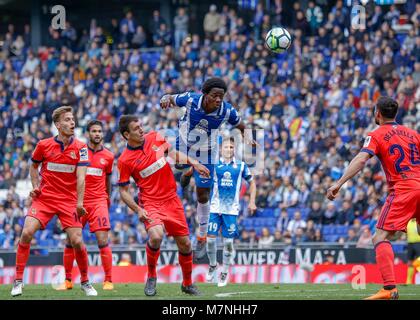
pixel 110 165
pixel 83 156
pixel 370 145
pixel 38 153
pixel 124 174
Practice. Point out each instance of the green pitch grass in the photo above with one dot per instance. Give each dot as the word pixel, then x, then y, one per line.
pixel 212 292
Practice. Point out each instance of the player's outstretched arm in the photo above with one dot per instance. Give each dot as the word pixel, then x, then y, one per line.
pixel 81 176
pixel 129 201
pixel 181 157
pixel 354 167
pixel 252 195
pixel 167 101
pixel 247 139
pixel 33 172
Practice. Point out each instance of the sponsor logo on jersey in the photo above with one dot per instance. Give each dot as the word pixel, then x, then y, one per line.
pixel 94 171
pixel 226 181
pixel 60 167
pixel 159 164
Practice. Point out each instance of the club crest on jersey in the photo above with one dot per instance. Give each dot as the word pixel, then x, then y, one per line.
pixel 102 161
pixel 72 155
pixel 33 210
pixel 155 148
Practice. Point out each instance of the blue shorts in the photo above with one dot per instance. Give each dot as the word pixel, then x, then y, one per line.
pixel 227 222
pixel 200 181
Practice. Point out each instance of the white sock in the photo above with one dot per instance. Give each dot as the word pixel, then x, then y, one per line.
pixel 212 251
pixel 227 254
pixel 203 213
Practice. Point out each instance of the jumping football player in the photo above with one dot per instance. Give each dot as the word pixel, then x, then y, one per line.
pixel 198 132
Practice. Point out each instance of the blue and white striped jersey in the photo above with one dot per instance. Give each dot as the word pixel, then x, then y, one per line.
pixel 227 185
pixel 199 130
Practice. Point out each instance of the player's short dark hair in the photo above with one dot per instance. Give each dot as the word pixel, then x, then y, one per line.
pixel 387 107
pixel 124 123
pixel 213 83
pixel 229 139
pixel 59 111
pixel 92 123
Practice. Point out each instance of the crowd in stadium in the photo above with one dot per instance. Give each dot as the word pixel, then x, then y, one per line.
pixel 314 103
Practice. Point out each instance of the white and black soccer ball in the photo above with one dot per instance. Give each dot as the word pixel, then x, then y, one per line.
pixel 278 40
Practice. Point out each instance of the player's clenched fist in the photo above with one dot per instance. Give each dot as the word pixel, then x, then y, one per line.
pixel 142 214
pixel 202 170
pixel 333 191
pixel 81 211
pixel 166 102
pixel 34 193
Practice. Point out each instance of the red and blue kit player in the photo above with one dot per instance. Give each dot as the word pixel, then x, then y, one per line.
pixel 60 192
pixel 96 203
pixel 159 207
pixel 397 147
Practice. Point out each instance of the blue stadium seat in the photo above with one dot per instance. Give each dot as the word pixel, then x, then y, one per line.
pixel 331 238
pixel 341 230
pixel 401 37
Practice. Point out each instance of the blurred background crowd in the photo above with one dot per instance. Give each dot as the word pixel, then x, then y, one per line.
pixel 314 103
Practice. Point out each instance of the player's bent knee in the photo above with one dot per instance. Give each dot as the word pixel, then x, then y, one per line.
pixel 26 236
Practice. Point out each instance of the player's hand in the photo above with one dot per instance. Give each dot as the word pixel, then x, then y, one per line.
pixel 252 207
pixel 81 211
pixel 202 170
pixel 35 193
pixel 332 191
pixel 252 142
pixel 142 214
pixel 165 102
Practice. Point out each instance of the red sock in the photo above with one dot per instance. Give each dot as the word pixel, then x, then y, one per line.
pixel 385 261
pixel 68 260
pixel 22 256
pixel 185 261
pixel 152 257
pixel 106 258
pixel 82 263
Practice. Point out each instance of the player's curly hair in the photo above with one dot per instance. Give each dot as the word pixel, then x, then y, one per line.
pixel 387 107
pixel 213 83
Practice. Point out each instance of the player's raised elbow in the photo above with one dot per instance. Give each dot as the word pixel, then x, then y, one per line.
pixel 363 157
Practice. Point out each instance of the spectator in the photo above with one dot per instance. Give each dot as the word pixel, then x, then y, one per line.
pixel 125 260
pixel 346 214
pixel 314 16
pixel 296 223
pixel 283 221
pixel 316 214
pixel 212 22
pixel 351 236
pixel 181 27
pixel 155 22
pixel 266 239
pixel 139 38
pixel 330 214
pixel 365 239
pixel 129 22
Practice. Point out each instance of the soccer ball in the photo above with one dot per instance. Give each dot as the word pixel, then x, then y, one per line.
pixel 278 40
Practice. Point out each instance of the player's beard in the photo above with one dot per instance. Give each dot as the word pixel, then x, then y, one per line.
pixel 96 142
